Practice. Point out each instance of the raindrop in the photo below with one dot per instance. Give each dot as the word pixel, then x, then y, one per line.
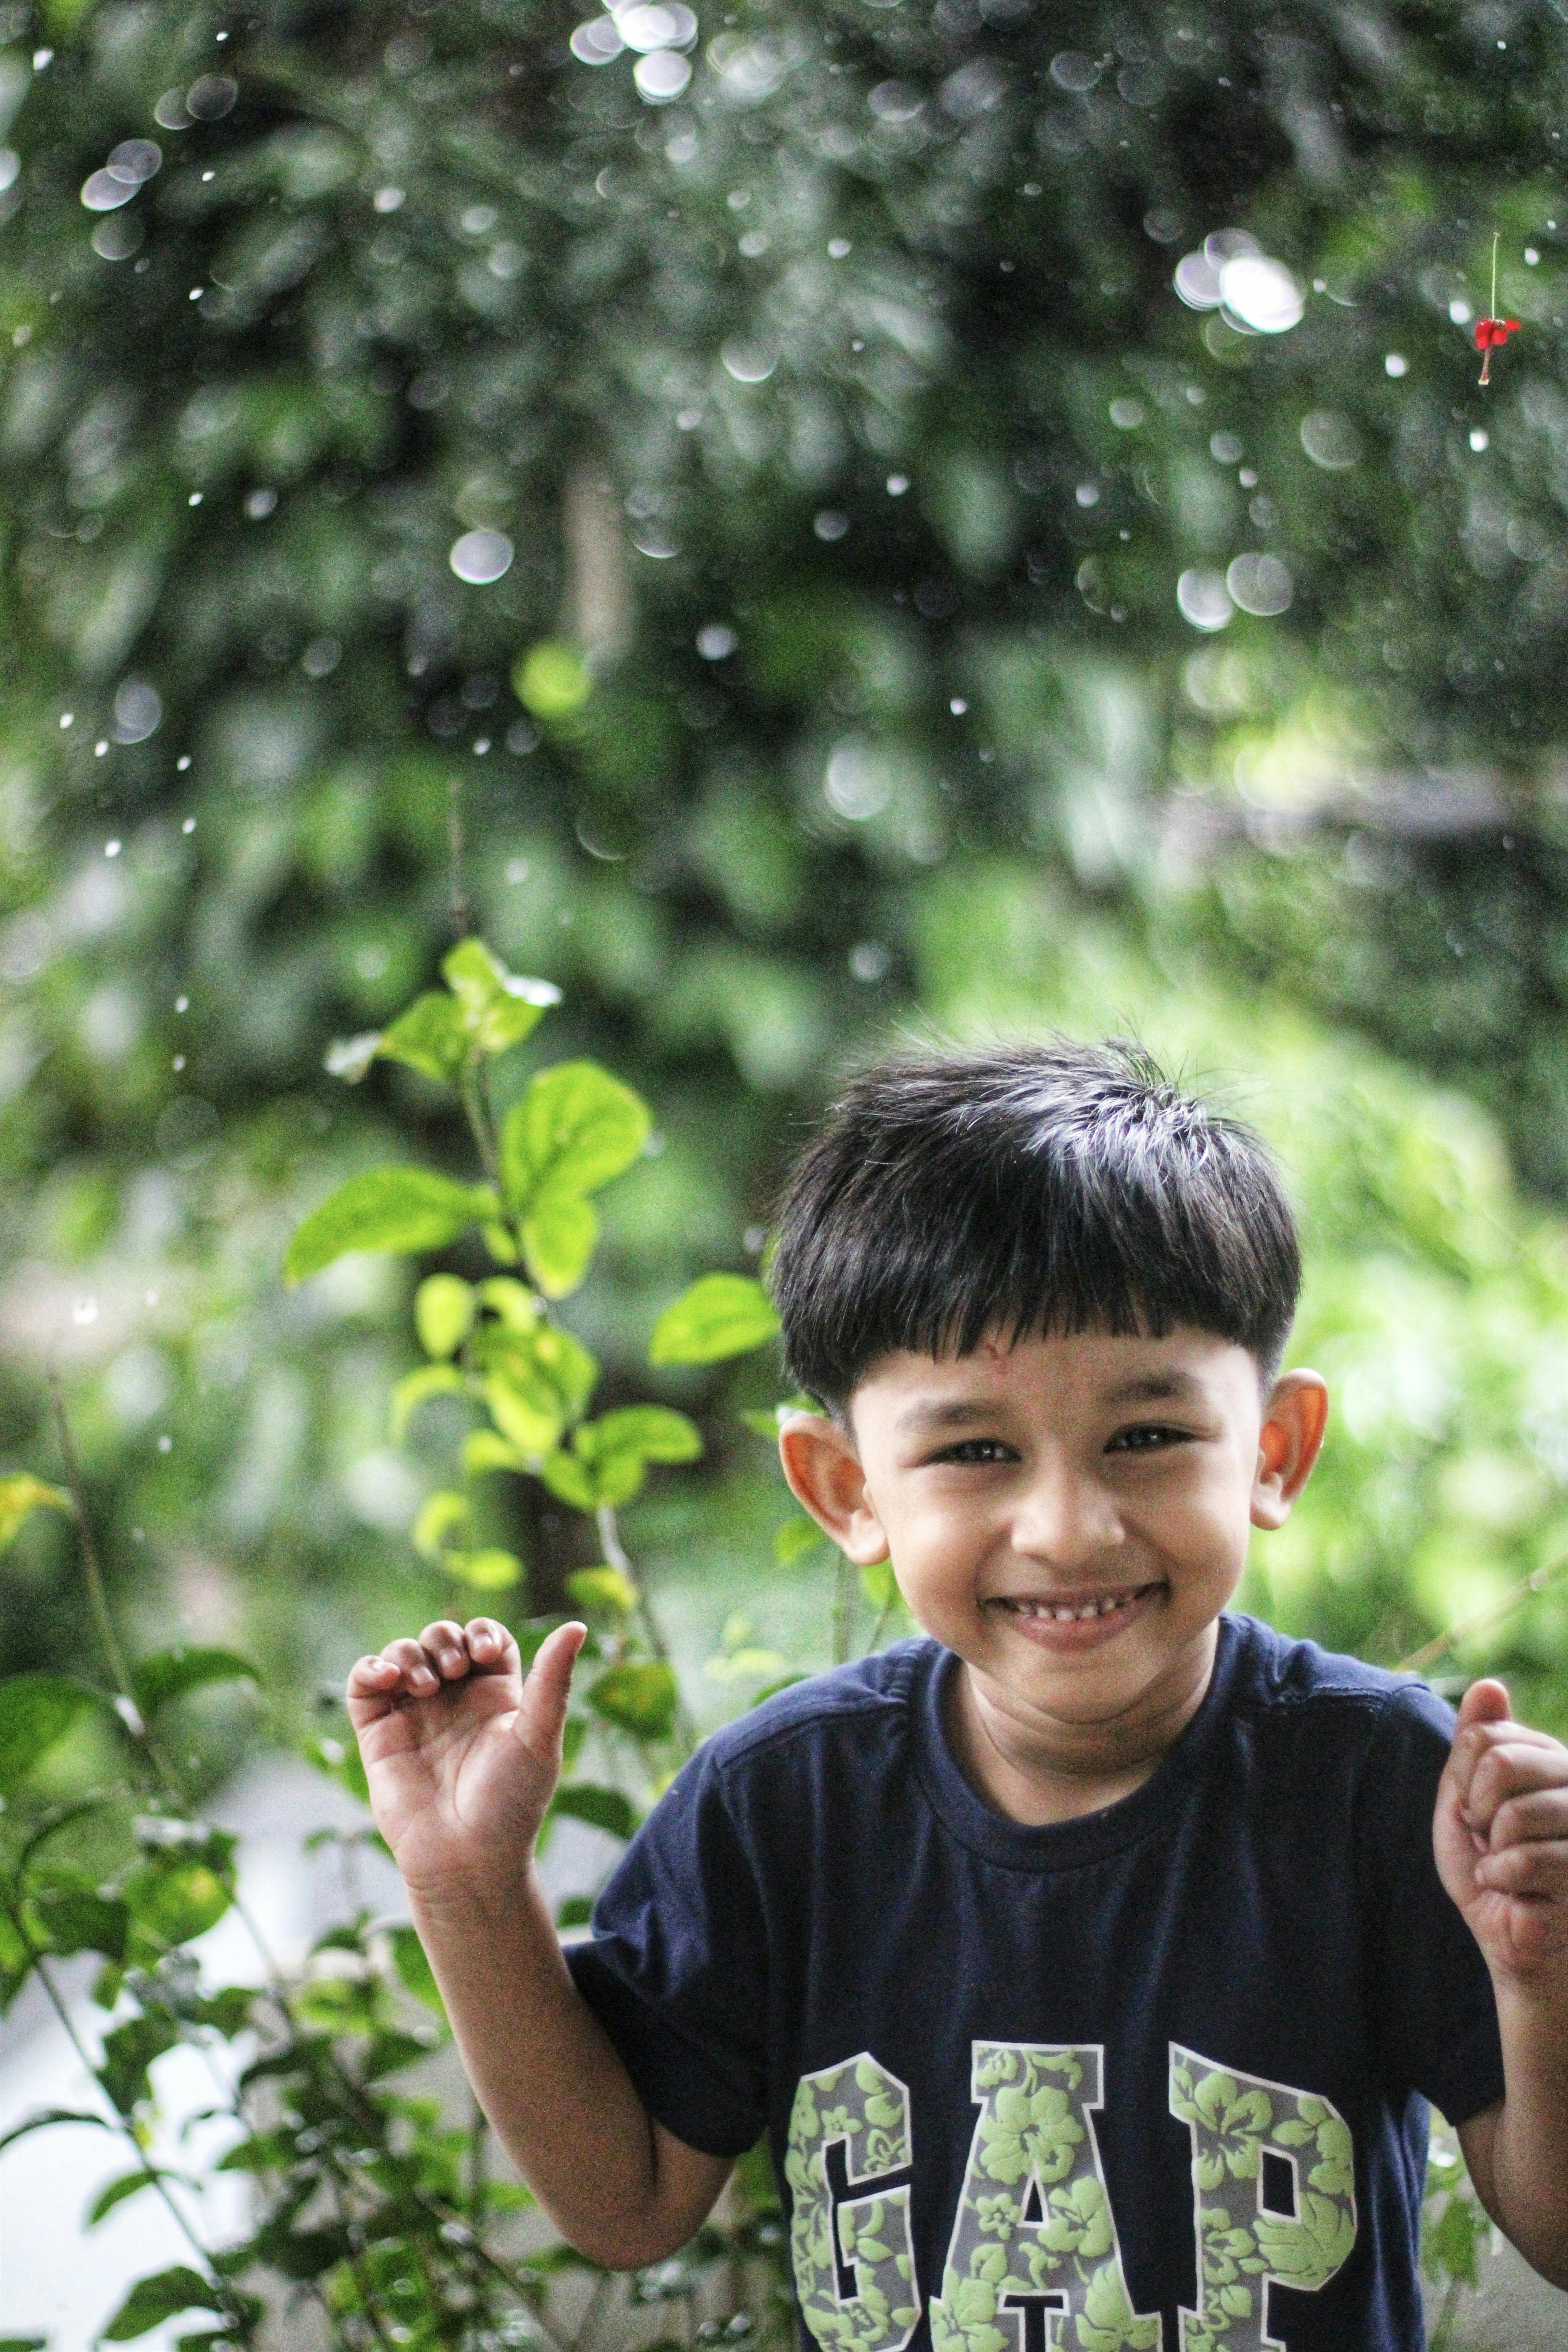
pixel 111 848
pixel 1329 440
pixel 138 711
pixel 648 27
pixel 102 192
pixel 165 1445
pixel 10 164
pixel 136 160
pixel 869 960
pixel 1196 280
pixel 195 500
pixel 66 717
pixel 1204 598
pixel 260 503
pixel 716 641
pixel 856 784
pixel 1460 312
pixel 117 237
pixel 831 525
pixel 1396 364
pixel 1260 585
pixel 597 42
pixel 652 538
pixel 85 1311
pixel 100 748
pixel 958 705
pixel 181 1003
pixel 748 363
pixel 1223 245
pixel 183 763
pixel 212 97
pixel 895 101
pixel 479 220
pixel 1261 294
pixel 1087 494
pixel 1530 256
pixel 1071 70
pixel 661 77
pixel 839 248
pixel 42 58
pixel 1125 414
pixel 1162 225
pixel 1480 440
pixel 517 870
pixel 171 112
pixel 481 556
pixel 387 200
pixel 189 826
pixel 1224 448
pixel 897 485
pixel 321 656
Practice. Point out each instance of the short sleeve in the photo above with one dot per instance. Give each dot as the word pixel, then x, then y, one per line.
pixel 1435 2013
pixel 675 1969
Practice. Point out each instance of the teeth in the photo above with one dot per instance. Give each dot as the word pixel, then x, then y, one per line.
pixel 1072 1613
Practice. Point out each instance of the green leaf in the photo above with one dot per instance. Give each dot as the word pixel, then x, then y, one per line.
pixel 416 1388
pixel 439 1514
pixel 747 1665
pixel 570 1481
pixel 498 1240
pixel 558 1237
pixel 128 2053
pixel 78 1918
pixel 399 1209
pixel 500 1008
pixel 412 1965
pixel 796 1539
pixel 637 1695
pixel 490 1570
pixel 721 1314
pixel 169 1673
pixel 484 1450
pixel 511 1301
pixel 552 679
pixel 652 1431
pixel 444 1308
pixel 36 1710
pixel 341 1762
pixel 429 1037
pixel 24 2344
pixel 177 1895
pixel 603 1809
pixel 163 2296
pixel 575 1128
pixel 48 2116
pixel 117 2192
pixel 22 1495
pixel 602 1588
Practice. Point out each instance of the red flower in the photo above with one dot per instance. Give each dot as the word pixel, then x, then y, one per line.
pixel 1492 333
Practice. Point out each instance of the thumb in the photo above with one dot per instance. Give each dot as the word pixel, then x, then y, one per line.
pixel 541 1706
pixel 1485 1702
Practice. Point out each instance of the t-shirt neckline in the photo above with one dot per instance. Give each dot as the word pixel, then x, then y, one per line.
pixel 1061 1845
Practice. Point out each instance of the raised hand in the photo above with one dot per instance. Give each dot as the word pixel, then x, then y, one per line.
pixel 462 1755
pixel 1501 1837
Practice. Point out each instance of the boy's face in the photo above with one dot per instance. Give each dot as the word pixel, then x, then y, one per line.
pixel 1069 1514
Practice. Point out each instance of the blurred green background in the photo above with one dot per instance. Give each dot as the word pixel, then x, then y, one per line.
pixel 874 518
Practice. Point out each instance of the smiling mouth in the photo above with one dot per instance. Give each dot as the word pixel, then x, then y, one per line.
pixel 1073 1609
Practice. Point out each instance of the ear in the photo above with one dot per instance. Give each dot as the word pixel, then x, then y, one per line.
pixel 825 1478
pixel 1294 1419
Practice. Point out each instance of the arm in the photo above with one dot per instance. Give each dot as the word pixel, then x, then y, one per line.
pixel 462 1756
pixel 1501 1837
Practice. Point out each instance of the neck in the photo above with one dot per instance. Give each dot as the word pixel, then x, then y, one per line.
pixel 1038 1768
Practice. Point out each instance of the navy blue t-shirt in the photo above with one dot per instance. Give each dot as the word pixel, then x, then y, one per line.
pixel 1153 2077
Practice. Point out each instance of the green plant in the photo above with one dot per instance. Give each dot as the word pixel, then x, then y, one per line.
pixel 369 2201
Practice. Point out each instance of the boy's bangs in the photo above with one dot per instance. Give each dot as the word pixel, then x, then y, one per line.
pixel 1058 1189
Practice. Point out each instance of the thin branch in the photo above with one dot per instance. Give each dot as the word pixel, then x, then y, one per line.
pixel 458 907
pixel 615 1557
pixel 1482 1620
pixel 114 1656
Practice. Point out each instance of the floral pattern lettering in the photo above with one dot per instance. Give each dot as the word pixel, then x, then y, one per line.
pixel 1235 2120
pixel 849 2129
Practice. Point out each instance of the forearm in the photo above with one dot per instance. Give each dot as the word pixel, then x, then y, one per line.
pixel 549 2079
pixel 1522 2175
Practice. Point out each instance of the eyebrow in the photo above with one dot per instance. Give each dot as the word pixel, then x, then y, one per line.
pixel 1171 1387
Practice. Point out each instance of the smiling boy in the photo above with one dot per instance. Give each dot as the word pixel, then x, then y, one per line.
pixel 1089 1961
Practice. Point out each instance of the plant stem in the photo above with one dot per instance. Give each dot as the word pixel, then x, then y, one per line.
pixel 615 1557
pixel 843 1612
pixel 459 907
pixel 1482 1620
pixel 114 1656
pixel 224 2299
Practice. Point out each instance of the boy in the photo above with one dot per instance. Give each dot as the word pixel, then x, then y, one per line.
pixel 1089 1962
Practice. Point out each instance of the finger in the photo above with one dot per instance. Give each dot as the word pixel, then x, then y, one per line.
pixel 371 1685
pixel 1539 1869
pixel 442 1643
pixel 1542 1813
pixel 542 1710
pixel 1502 1771
pixel 419 1676
pixel 490 1646
pixel 1485 1702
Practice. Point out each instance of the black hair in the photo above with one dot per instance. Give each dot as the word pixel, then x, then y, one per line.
pixel 1056 1187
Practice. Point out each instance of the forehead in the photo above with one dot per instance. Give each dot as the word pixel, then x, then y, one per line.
pixel 1061 1373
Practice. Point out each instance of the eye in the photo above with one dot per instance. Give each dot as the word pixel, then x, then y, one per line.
pixel 977 1453
pixel 1148 1437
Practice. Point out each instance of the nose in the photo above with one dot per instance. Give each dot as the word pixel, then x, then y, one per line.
pixel 1065 1518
